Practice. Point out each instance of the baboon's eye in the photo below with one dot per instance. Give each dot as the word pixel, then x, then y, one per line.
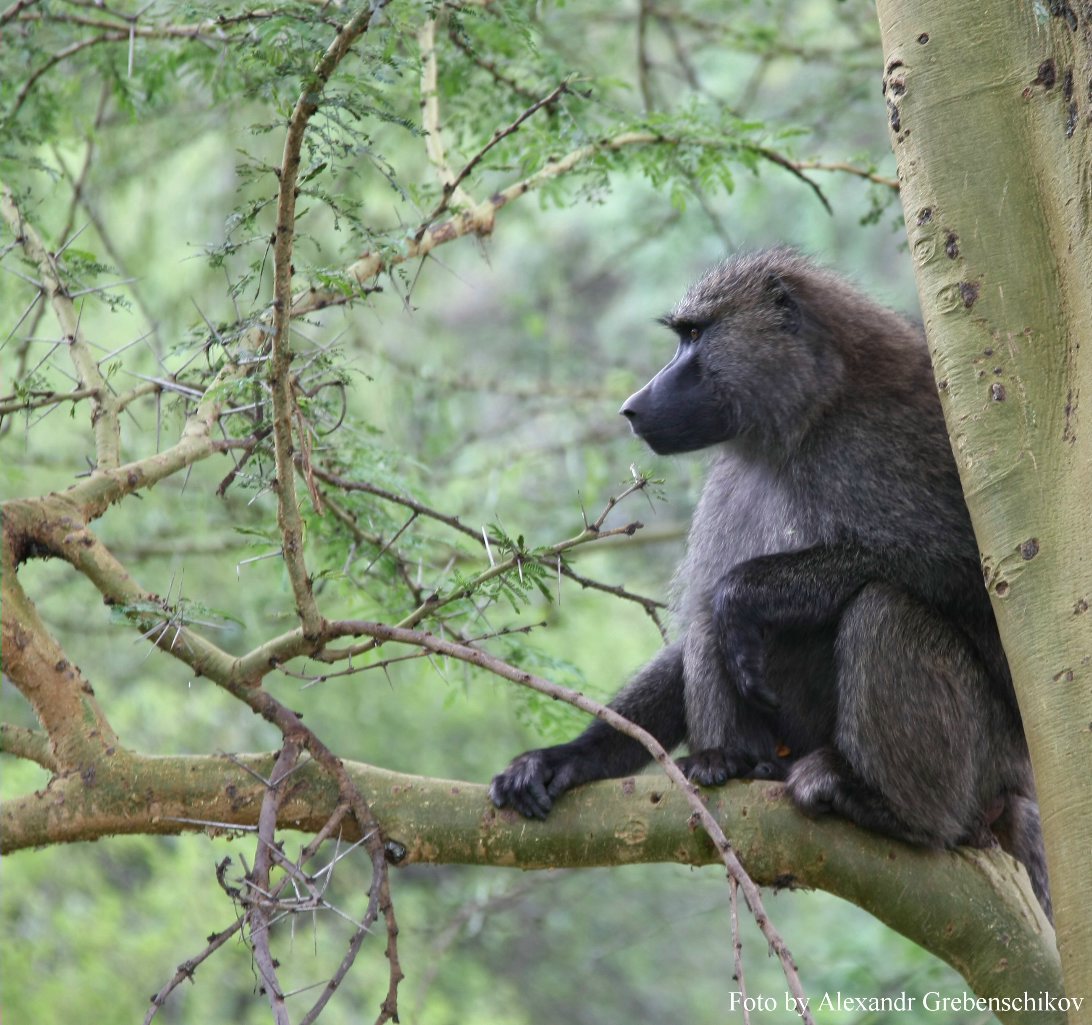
pixel 688 331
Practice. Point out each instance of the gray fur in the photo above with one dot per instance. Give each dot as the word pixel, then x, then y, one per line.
pixel 833 627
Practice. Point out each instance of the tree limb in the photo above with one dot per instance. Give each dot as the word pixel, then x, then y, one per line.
pixel 284 403
pixel 32 745
pixel 920 893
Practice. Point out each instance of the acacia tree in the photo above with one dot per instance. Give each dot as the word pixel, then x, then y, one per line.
pixel 1003 276
pixel 263 384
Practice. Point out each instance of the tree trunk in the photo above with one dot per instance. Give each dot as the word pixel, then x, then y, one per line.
pixel 990 109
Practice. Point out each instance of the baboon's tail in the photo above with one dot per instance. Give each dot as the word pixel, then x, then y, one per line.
pixel 1021 835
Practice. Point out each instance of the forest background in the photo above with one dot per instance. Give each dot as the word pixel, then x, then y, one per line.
pixel 482 378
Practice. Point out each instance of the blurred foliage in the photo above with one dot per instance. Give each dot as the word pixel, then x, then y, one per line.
pixel 483 380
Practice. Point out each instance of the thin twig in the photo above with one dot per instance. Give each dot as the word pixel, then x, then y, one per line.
pixel 38 399
pixel 644 64
pixel 794 169
pixel 737 948
pixel 844 168
pixel 489 66
pixel 379 897
pixel 548 557
pixel 187 968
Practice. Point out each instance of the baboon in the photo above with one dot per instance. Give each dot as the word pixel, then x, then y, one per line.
pixel 833 626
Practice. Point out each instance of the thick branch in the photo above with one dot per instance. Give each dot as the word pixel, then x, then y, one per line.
pixel 62 698
pixel 53 525
pixel 1005 947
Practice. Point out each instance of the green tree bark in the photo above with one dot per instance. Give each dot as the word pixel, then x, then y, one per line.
pixel 990 122
pixel 1003 950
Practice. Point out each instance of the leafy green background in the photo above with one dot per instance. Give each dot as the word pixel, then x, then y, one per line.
pixel 486 381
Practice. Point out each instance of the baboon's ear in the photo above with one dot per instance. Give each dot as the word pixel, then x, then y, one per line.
pixel 782 298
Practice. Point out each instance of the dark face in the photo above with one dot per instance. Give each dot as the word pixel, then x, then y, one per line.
pixel 679 410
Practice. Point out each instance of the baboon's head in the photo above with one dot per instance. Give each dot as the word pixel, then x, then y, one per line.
pixel 757 356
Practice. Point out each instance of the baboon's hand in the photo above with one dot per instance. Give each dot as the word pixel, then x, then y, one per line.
pixel 742 644
pixel 743 648
pixel 534 780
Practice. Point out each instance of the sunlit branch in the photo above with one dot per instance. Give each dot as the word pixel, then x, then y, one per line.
pixel 430 119
pixel 288 516
pixel 852 169
pixel 104 412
